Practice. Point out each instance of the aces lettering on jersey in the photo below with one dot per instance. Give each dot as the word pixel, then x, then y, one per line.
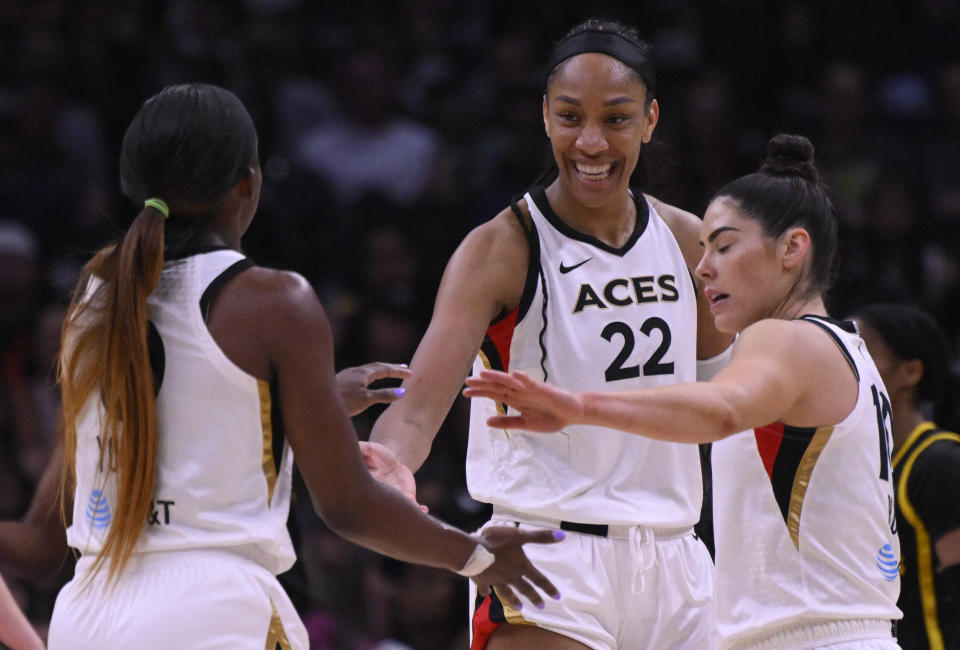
pixel 623 292
pixel 628 292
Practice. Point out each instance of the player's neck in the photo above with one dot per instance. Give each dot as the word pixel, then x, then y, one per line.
pixel 612 223
pixel 906 418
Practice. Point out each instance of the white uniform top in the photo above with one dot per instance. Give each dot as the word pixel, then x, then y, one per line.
pixel 223 469
pixel 804 517
pixel 593 317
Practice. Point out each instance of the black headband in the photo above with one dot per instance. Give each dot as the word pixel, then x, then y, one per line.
pixel 610 43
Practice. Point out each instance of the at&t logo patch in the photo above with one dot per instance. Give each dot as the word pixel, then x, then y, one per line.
pixel 98 510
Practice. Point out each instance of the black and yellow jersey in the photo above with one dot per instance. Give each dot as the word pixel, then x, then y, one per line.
pixel 927 478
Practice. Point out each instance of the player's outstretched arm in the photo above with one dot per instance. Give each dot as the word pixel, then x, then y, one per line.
pixel 761 383
pixel 325 448
pixel 34 547
pixel 483 279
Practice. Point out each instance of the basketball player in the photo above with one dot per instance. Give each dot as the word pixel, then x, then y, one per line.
pixel 913 356
pixel 188 377
pixel 586 284
pixel 34 547
pixel 806 543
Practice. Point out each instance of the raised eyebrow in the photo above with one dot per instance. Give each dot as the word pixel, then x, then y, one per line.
pixel 568 100
pixel 716 233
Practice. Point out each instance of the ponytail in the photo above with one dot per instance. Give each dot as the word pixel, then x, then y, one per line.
pixel 104 343
pixel 181 155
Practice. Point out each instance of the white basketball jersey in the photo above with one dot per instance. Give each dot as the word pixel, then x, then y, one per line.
pixel 223 469
pixel 804 517
pixel 593 317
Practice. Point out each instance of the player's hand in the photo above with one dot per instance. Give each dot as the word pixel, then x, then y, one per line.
pixel 542 407
pixel 353 385
pixel 512 572
pixel 386 468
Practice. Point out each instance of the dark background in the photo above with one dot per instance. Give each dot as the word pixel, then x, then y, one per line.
pixel 388 130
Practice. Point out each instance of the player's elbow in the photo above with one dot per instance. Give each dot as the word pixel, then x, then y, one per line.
pixel 40 563
pixel 347 513
pixel 339 517
pixel 727 418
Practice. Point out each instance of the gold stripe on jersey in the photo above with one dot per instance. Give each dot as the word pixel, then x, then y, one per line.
pixel 513 616
pixel 802 480
pixel 276 636
pixel 925 570
pixel 266 424
pixel 501 409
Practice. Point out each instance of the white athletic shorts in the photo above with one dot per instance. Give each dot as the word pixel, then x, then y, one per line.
pixel 852 634
pixel 197 599
pixel 638 588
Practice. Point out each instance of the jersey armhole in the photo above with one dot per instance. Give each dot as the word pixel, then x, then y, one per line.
pixel 533 268
pixel 216 286
pixel 816 320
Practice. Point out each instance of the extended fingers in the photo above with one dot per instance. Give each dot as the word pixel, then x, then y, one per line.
pixel 384 395
pixel 382 370
pixel 528 590
pixel 506 422
pixel 506 596
pixel 542 582
pixel 527 586
pixel 479 389
pixel 514 380
pixel 541 536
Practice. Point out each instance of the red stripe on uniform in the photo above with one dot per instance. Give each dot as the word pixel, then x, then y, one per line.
pixel 483 627
pixel 768 444
pixel 501 335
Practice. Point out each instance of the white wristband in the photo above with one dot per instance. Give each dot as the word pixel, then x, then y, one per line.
pixel 478 562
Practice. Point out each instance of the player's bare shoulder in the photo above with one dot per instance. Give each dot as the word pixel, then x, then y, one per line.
pixel 504 232
pixel 798 345
pixel 496 255
pixel 274 301
pixel 685 227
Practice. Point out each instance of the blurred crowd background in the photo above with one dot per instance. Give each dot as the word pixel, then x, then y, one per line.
pixel 388 130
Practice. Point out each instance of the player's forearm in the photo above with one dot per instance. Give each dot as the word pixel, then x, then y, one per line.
pixel 34 547
pixel 409 440
pixel 31 551
pixel 381 519
pixel 693 413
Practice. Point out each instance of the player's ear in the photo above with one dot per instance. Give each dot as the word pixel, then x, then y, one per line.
pixel 911 372
pixel 793 247
pixel 651 118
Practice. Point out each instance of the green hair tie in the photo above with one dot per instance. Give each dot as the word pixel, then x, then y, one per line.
pixel 159 205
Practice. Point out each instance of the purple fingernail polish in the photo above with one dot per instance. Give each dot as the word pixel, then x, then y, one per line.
pixel 559 534
pixel 556 596
pixel 399 392
pixel 541 605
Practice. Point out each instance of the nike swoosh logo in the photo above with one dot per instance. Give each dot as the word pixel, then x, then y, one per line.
pixel 567 269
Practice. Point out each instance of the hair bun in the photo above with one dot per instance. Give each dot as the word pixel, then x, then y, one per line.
pixel 790 155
